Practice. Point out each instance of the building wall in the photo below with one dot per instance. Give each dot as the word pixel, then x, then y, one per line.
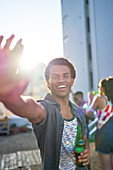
pixel 89 50
pixel 101 22
pixel 74 38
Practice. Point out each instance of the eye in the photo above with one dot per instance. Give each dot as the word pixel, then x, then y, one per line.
pixel 54 77
pixel 66 76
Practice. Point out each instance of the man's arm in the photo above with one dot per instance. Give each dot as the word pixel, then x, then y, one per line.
pixel 26 107
pixel 12 84
pixel 99 102
pixel 92 108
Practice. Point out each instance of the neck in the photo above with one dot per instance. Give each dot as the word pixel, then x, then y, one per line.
pixel 83 102
pixel 65 108
pixel 61 100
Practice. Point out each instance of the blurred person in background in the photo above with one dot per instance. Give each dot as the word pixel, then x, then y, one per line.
pixel 78 98
pixel 103 105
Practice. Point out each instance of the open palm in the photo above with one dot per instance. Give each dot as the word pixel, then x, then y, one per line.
pixel 9 61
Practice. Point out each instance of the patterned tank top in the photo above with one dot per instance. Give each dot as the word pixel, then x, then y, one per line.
pixel 105 114
pixel 67 158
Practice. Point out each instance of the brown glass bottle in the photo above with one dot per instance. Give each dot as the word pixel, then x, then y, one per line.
pixel 79 146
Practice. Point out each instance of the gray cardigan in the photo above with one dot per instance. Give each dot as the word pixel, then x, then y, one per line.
pixel 49 132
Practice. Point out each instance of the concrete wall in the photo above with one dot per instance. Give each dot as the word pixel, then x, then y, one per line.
pixel 74 36
pixel 101 20
pixel 75 39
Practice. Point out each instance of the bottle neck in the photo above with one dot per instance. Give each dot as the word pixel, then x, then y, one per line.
pixel 80 133
pixel 79 144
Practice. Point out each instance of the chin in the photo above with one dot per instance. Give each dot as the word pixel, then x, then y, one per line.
pixel 62 95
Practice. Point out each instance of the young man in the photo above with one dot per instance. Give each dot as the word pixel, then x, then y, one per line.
pixel 79 99
pixel 55 118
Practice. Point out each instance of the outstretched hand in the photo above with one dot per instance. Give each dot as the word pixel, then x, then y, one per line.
pixel 9 62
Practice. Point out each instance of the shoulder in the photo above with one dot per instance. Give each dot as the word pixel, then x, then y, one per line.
pixel 74 106
pixel 49 107
pixel 101 99
pixel 76 110
pixel 44 102
pixel 101 102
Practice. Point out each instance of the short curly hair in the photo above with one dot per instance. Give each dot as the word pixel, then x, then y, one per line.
pixel 59 61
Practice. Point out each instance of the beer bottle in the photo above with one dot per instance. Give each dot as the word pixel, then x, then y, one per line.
pixel 79 146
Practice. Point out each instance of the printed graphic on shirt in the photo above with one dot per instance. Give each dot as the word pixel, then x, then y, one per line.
pixel 67 159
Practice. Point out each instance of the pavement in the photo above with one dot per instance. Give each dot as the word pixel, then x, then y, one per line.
pixel 26 141
pixel 18 142
pixel 94 159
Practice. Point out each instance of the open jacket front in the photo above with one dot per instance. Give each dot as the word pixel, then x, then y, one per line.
pixel 49 132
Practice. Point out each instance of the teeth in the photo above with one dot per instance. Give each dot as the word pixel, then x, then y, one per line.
pixel 62 86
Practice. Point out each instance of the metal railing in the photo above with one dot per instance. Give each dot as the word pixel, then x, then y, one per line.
pixel 92 129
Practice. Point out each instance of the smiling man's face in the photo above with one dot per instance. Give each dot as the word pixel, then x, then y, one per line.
pixel 60 81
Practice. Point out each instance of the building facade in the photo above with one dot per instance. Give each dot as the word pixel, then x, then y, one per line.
pixel 88 40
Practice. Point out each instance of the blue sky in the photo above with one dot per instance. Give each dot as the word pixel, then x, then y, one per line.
pixel 38 23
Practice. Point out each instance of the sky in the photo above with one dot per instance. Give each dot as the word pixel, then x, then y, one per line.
pixel 38 23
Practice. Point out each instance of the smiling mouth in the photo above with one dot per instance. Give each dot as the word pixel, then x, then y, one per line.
pixel 62 86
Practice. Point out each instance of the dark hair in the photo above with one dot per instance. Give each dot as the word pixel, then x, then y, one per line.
pixel 79 93
pixel 59 61
pixel 108 87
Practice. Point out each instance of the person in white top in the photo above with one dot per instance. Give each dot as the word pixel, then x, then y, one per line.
pixel 103 105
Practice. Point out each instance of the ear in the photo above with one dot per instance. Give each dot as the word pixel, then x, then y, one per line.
pixel 47 81
pixel 102 90
pixel 72 81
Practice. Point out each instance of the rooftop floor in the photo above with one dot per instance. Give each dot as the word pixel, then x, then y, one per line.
pixel 20 151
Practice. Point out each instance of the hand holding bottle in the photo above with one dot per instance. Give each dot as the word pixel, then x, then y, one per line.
pixel 84 158
pixel 82 154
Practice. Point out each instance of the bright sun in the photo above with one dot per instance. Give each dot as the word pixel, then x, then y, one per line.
pixel 27 62
pixel 39 53
pixel 40 27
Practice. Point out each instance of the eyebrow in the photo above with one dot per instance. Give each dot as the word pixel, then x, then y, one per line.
pixel 58 74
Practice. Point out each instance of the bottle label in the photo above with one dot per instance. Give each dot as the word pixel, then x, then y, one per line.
pixel 79 150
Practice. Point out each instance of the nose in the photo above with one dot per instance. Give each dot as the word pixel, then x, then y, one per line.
pixel 60 79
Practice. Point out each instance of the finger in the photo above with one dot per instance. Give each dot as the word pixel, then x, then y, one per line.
pixel 86 159
pixel 1 38
pixel 8 42
pixel 18 49
pixel 83 156
pixel 86 151
pixel 86 162
pixel 19 41
pixel 15 54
